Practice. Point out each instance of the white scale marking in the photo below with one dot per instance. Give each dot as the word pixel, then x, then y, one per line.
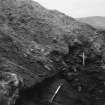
pixel 57 90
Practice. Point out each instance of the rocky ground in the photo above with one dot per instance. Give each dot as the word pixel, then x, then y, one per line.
pixel 56 60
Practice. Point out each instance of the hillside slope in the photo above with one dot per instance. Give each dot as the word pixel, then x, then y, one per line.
pixel 47 48
pixel 96 21
pixel 29 32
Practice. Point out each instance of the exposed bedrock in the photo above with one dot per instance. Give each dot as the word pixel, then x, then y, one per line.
pixel 10 85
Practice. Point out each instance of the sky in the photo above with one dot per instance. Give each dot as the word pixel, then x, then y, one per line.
pixel 76 8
